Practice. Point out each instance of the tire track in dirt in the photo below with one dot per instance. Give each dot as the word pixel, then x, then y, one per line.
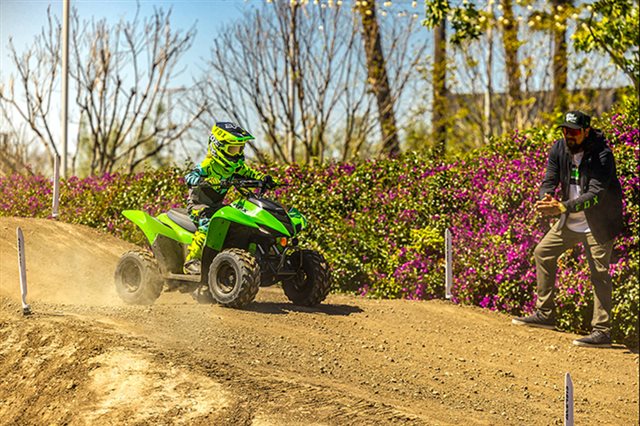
pixel 62 369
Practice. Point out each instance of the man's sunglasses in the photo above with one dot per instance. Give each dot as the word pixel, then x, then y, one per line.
pixel 571 132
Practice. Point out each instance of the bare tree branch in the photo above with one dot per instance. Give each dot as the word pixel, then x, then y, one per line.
pixel 124 74
pixel 37 70
pixel 300 71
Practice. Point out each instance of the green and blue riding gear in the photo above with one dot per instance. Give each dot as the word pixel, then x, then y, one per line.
pixel 201 216
pixel 208 182
pixel 194 177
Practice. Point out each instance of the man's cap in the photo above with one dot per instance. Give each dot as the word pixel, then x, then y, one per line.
pixel 576 120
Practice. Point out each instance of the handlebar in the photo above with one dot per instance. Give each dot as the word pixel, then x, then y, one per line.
pixel 241 183
pixel 244 185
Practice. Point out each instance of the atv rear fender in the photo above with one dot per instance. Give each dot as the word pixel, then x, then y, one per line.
pixel 153 227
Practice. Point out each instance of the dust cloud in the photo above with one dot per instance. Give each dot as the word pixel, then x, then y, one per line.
pixel 66 264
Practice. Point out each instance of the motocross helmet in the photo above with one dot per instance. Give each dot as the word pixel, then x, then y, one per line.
pixel 227 141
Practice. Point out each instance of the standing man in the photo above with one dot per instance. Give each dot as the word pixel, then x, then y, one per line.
pixel 590 209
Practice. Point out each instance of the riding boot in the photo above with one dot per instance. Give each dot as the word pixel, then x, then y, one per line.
pixel 192 262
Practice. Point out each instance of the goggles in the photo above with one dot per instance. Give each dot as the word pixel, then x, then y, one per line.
pixel 233 149
pixel 227 148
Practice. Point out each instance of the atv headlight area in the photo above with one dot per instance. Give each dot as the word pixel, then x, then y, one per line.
pixel 280 240
pixel 288 243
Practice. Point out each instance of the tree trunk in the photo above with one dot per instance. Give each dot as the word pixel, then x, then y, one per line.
pixel 439 109
pixel 511 44
pixel 559 95
pixel 378 79
pixel 292 57
pixel 488 94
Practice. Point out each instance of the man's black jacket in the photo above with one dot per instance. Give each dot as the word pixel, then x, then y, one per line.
pixel 601 197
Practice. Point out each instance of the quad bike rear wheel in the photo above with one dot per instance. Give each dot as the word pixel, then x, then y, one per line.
pixel 234 278
pixel 137 278
pixel 312 283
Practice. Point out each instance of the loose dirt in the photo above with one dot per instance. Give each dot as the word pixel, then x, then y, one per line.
pixel 85 358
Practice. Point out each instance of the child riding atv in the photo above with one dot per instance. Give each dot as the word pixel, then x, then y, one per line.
pixel 208 183
pixel 223 253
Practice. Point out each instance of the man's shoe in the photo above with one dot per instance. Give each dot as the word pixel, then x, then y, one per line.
pixel 535 320
pixel 597 339
pixel 192 267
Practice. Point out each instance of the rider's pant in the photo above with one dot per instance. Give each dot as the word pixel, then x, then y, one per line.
pixel 201 216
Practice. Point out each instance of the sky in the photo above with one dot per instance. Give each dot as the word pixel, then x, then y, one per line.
pixel 22 20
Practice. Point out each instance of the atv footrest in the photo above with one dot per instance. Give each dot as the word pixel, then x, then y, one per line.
pixel 183 277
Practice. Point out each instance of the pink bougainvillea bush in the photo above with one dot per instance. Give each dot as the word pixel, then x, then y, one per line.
pixel 95 201
pixel 381 222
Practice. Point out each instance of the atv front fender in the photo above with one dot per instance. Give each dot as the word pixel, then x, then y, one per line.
pixel 219 226
pixel 152 227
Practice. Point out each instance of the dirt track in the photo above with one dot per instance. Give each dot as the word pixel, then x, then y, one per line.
pixel 84 358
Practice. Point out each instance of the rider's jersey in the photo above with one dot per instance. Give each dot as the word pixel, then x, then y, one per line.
pixel 209 192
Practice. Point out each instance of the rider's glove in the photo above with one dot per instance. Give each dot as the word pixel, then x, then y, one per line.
pixel 268 182
pixel 218 183
pixel 193 179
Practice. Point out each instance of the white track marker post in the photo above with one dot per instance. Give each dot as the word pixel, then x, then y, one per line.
pixel 568 400
pixel 22 264
pixel 448 281
pixel 56 186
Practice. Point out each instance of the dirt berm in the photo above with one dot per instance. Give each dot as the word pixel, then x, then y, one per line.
pixel 85 358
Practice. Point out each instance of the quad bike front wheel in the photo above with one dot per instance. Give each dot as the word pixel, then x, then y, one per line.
pixel 234 278
pixel 312 283
pixel 137 278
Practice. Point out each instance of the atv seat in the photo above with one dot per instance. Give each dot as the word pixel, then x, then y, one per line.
pixel 181 217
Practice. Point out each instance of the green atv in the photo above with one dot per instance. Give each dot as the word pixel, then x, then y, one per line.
pixel 251 243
